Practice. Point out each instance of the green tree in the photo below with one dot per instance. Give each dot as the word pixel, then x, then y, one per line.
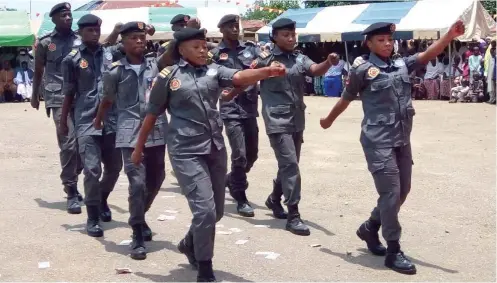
pixel 490 6
pixel 257 14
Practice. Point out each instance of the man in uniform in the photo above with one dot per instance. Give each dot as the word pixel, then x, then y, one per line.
pixel 385 91
pixel 128 84
pixel 50 51
pixel 82 71
pixel 239 114
pixel 283 110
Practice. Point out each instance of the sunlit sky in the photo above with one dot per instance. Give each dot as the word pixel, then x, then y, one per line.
pixel 43 6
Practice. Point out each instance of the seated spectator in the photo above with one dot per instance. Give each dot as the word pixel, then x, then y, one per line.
pixel 475 61
pixel 8 88
pixel 477 88
pixel 459 93
pixel 24 81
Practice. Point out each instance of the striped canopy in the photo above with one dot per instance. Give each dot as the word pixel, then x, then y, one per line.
pixel 426 19
pixel 159 17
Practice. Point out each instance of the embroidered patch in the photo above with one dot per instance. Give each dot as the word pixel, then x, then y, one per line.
pixel 223 56
pixel 140 25
pixel 211 72
pixel 52 47
pixel 275 64
pixel 77 42
pixel 186 19
pixel 164 73
pixel 392 27
pixel 68 6
pixel 175 84
pixel 247 54
pixel 108 56
pixel 253 64
pixel 83 64
pixel 373 72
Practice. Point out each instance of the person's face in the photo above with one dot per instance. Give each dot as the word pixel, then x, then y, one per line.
pixel 286 39
pixel 457 60
pixel 134 43
pixel 476 51
pixel 381 44
pixel 63 20
pixel 231 31
pixel 194 51
pixel 24 65
pixel 90 35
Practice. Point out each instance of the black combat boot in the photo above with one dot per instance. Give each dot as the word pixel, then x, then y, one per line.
pixel 243 207
pixel 73 206
pixel 205 272
pixel 273 202
pixel 68 192
pixel 185 247
pixel 93 228
pixel 147 233
pixel 295 224
pixel 368 232
pixel 105 213
pixel 138 250
pixel 397 261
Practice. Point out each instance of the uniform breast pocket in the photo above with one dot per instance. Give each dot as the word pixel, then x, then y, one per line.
pixel 213 90
pixel 379 86
pixel 406 86
pixel 127 93
pixel 381 120
pixel 86 80
pixel 54 57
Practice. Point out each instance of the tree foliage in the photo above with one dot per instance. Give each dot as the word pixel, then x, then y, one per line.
pixel 490 6
pixel 257 14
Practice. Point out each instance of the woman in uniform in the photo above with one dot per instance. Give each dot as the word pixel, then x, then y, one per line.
pixel 189 90
pixel 384 87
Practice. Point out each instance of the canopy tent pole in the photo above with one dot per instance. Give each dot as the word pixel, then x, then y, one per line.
pixel 347 58
pixel 450 69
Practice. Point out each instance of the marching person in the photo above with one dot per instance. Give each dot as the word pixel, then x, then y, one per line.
pixel 50 51
pixel 239 114
pixel 190 91
pixel 385 91
pixel 283 112
pixel 82 72
pixel 127 84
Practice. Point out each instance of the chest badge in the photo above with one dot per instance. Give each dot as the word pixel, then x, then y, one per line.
pixel 275 64
pixel 175 84
pixel 83 64
pixel 77 42
pixel 52 47
pixel 247 54
pixel 223 56
pixel 300 59
pixel 108 56
pixel 211 72
pixel 373 72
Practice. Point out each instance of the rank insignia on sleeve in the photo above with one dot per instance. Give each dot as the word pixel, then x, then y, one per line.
pixel 209 54
pixel 164 73
pixel 175 84
pixel 73 52
pixel 117 63
pixel 358 61
pixel 264 54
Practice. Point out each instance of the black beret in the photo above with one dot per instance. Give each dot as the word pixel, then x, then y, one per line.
pixel 284 23
pixel 64 6
pixel 132 27
pixel 231 18
pixel 89 20
pixel 179 18
pixel 186 34
pixel 379 28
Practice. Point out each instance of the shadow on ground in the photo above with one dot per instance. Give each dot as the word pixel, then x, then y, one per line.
pixel 186 274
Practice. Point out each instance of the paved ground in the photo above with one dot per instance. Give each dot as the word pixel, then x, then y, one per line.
pixel 448 220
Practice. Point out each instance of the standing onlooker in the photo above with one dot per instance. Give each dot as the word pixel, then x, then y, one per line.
pixel 24 81
pixel 8 88
pixel 475 61
pixel 465 67
pixel 431 79
pixel 333 80
pixel 492 70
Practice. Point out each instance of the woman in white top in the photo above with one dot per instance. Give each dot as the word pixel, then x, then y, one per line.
pixel 431 79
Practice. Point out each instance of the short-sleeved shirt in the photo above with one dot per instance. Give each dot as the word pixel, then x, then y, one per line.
pixel 283 108
pixel 51 50
pixel 131 92
pixel 385 91
pixel 245 104
pixel 190 95
pixel 82 71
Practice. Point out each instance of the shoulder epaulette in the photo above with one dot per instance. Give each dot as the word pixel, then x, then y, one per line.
pixel 210 54
pixel 73 52
pixel 44 36
pixel 165 44
pixel 115 64
pixel 250 42
pixel 358 61
pixel 166 72
pixel 264 54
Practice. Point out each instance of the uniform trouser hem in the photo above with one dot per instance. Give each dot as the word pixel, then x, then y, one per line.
pixel 202 180
pixel 69 158
pixel 243 137
pixel 145 180
pixel 287 147
pixel 95 150
pixel 391 169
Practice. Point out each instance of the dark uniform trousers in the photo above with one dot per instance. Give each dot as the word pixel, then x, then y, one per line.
pixel 95 150
pixel 69 157
pixel 243 136
pixel 287 148
pixel 144 179
pixel 202 180
pixel 391 169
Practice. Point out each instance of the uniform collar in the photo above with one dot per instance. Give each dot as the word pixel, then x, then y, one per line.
pixel 277 51
pixel 83 47
pixel 223 45
pixel 378 62
pixel 183 63
pixel 56 33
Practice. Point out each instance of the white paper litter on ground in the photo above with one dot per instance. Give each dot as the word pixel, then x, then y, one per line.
pixel 123 270
pixel 43 264
pixel 224 232
pixel 272 256
pixel 125 243
pixel 163 217
pixel 261 226
pixel 263 253
pixel 170 211
pixel 235 230
pixel 219 225
pixel 76 229
pixel 168 196
pixel 316 245
pixel 241 242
